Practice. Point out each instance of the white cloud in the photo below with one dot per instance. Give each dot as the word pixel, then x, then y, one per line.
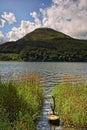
pixel 12 36
pixel 2 23
pixel 10 17
pixel 36 19
pixel 67 16
pixel 24 28
pixel 2 38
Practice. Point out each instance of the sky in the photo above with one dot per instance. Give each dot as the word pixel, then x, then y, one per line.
pixel 19 17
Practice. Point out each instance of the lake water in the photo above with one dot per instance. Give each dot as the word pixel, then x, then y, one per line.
pixel 51 72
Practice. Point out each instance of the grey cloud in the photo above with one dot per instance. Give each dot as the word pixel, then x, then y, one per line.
pixel 2 38
pixel 82 34
pixel 2 23
pixel 67 16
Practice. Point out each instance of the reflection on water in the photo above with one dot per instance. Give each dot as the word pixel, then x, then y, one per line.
pixel 51 73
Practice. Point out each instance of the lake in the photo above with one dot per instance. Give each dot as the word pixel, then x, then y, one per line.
pixel 51 72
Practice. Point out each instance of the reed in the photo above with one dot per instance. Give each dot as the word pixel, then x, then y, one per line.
pixel 71 103
pixel 29 77
pixel 21 104
pixel 72 79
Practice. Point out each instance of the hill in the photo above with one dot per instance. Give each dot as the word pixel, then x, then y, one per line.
pixel 44 34
pixel 45 44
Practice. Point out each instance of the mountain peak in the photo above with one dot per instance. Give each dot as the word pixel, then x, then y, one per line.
pixel 41 34
pixel 44 29
pixel 45 44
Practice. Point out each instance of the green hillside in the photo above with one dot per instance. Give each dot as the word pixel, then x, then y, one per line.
pixel 45 44
pixel 42 34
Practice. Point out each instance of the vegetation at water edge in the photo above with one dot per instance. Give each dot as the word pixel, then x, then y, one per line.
pixel 71 104
pixel 20 104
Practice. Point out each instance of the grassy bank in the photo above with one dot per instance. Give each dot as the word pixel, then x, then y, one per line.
pixel 71 104
pixel 20 105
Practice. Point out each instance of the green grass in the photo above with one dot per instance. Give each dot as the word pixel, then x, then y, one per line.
pixel 20 105
pixel 71 104
pixel 42 34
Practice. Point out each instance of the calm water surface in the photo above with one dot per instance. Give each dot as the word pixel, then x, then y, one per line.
pixel 51 72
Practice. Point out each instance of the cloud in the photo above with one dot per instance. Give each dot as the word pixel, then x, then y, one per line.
pixel 2 38
pixel 10 17
pixel 24 28
pixel 67 16
pixel 36 19
pixel 82 4
pixel 2 23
